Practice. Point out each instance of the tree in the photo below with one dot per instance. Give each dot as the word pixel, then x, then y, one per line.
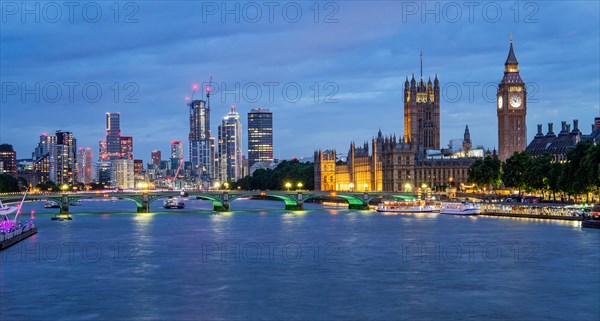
pixel 514 169
pixel 576 177
pixel 485 172
pixel 536 175
pixel 48 186
pixel 292 171
pixel 8 184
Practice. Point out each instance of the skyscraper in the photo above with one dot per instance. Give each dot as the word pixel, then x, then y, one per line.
pixel 156 158
pixel 201 155
pixel 113 135
pixel 512 109
pixel 230 147
pixel 126 147
pixel 84 165
pixel 260 136
pixel 102 150
pixel 44 158
pixel 8 160
pixel 177 150
pixel 66 158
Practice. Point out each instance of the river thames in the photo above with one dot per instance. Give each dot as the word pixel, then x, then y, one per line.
pixel 320 263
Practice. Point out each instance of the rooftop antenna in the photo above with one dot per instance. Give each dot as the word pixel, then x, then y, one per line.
pixel 422 63
pixel 208 93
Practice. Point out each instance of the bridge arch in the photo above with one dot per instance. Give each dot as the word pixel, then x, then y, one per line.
pixel 354 203
pixel 290 203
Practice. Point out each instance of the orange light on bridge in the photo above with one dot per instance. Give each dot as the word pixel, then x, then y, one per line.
pixel 332 194
pixel 263 194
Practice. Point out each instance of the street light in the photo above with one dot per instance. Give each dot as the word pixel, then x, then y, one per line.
pixel 288 185
pixel 407 187
pixel 299 185
pixel 64 187
pixel 366 185
pixel 351 185
pixel 226 184
pixel 217 185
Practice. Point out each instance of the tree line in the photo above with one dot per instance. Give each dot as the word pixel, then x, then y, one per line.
pixel 292 172
pixel 578 175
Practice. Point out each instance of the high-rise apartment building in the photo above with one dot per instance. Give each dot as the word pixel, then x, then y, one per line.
pixel 126 147
pixel 230 147
pixel 8 160
pixel 66 158
pixel 113 135
pixel 156 158
pixel 201 155
pixel 84 165
pixel 260 136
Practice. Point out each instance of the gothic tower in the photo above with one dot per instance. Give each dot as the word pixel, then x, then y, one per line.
pixel 512 109
pixel 422 112
pixel 467 144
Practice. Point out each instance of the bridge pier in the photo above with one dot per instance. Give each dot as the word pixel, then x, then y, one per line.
pixel 64 206
pixel 224 207
pixel 299 201
pixel 145 208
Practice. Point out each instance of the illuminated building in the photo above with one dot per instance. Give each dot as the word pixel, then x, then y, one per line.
pixel 126 151
pixel 8 160
pixel 422 113
pixel 260 136
pixel 104 173
pixel 512 109
pixel 201 155
pixel 102 150
pixel 113 136
pixel 138 167
pixel 558 145
pixel 84 165
pixel 230 147
pixel 401 165
pixel 44 158
pixel 176 154
pixel 122 174
pixel 156 158
pixel 66 158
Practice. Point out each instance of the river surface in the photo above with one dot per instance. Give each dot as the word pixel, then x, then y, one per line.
pixel 319 264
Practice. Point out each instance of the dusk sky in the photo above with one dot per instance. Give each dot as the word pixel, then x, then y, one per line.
pixel 358 53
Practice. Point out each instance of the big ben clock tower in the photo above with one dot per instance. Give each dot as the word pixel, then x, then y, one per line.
pixel 512 109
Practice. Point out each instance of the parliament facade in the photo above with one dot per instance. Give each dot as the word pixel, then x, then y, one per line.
pixel 403 164
pixel 407 163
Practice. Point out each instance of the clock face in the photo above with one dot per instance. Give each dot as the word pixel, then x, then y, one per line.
pixel 499 102
pixel 515 100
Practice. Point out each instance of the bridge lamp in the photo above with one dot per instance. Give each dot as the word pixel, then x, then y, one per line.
pixel 407 187
pixel 64 187
pixel 366 186
pixel 226 184
pixel 288 185
pixel 299 185
pixel 351 186
pixel 217 185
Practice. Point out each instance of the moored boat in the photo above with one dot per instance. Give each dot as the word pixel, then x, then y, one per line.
pixel 407 207
pixel 51 204
pixel 12 230
pixel 593 218
pixel 172 203
pixel 463 208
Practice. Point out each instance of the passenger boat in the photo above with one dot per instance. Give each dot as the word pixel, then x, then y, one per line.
pixel 75 203
pixel 463 208
pixel 407 207
pixel 51 204
pixel 593 218
pixel 173 203
pixel 11 230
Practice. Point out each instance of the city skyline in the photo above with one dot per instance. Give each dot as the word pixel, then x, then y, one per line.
pixel 367 67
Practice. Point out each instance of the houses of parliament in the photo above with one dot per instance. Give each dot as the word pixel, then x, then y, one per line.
pixel 403 164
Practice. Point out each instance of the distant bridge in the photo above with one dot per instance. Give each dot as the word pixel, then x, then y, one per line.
pixel 294 200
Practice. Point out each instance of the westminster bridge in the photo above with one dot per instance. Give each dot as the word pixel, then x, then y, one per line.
pixel 294 200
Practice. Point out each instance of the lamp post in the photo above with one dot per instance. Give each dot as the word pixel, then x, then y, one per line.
pixel 226 185
pixel 407 188
pixel 288 185
pixel 351 186
pixel 299 185
pixel 217 185
pixel 366 186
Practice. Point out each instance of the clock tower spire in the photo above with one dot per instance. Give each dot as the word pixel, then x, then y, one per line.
pixel 511 109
